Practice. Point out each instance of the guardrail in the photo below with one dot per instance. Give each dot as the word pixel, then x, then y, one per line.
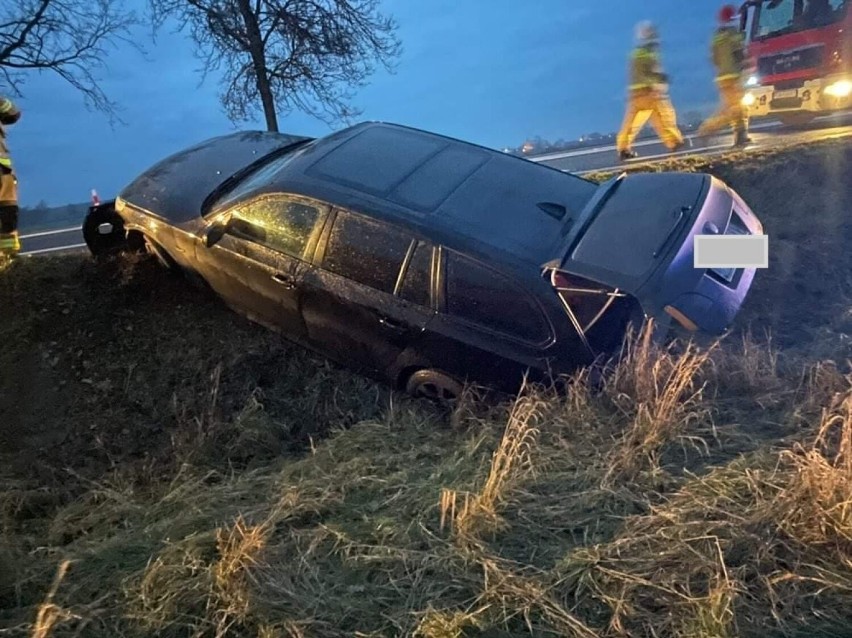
pixel 53 250
pixel 53 232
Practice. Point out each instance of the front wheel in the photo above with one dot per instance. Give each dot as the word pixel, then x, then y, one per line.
pixel 103 231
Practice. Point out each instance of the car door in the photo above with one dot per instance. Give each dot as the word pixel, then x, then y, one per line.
pixel 359 307
pixel 489 328
pixel 258 263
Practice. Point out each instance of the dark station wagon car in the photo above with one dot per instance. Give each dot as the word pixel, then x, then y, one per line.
pixel 426 261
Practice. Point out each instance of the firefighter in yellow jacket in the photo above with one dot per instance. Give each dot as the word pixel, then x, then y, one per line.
pixel 648 96
pixel 10 244
pixel 728 52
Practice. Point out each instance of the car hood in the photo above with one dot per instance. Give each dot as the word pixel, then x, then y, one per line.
pixel 175 188
pixel 630 232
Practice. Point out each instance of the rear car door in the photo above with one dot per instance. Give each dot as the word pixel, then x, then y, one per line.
pixel 259 262
pixel 369 298
pixel 492 329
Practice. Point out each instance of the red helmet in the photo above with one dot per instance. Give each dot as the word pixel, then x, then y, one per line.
pixel 727 13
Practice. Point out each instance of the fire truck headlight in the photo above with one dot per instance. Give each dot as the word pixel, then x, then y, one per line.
pixel 841 88
pixel 748 99
pixel 752 81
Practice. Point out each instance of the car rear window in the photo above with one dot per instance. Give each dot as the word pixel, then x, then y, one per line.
pixel 484 297
pixel 366 251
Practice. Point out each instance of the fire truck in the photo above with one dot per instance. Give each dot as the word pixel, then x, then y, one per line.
pixel 799 58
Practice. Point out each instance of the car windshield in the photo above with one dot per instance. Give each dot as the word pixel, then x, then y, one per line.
pixel 255 176
pixel 778 17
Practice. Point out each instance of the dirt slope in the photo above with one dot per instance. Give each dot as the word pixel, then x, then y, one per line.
pixel 205 478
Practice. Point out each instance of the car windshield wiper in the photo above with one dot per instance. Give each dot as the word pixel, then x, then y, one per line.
pixel 222 189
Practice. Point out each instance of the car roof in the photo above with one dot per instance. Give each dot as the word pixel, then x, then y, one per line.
pixel 462 195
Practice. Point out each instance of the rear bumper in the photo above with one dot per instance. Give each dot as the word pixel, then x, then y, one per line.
pixel 819 95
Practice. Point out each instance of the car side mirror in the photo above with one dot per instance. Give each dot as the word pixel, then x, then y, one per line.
pixel 215 231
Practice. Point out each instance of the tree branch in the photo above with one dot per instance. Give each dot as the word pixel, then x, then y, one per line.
pixel 68 37
pixel 277 56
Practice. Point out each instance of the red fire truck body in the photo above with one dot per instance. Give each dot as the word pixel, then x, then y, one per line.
pixel 800 57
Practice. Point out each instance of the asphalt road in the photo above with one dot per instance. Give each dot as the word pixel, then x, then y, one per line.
pixel 764 135
pixel 579 161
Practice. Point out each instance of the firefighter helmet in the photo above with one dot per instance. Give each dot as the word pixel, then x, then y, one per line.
pixel 727 13
pixel 646 32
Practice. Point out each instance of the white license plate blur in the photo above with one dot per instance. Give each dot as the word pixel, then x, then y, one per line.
pixel 780 95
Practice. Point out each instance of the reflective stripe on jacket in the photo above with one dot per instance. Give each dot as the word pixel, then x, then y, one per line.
pixel 728 53
pixel 8 114
pixel 645 70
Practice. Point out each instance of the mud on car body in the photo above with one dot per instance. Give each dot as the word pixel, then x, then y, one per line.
pixel 426 261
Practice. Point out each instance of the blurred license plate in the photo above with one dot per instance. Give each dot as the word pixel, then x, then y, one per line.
pixel 780 95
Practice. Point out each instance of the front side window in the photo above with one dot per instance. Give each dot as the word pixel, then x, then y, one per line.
pixel 366 251
pixel 482 296
pixel 279 223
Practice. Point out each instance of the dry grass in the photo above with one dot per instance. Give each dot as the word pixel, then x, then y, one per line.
pixel 816 509
pixel 396 527
pixel 660 394
pixel 48 613
pixel 760 543
pixel 512 458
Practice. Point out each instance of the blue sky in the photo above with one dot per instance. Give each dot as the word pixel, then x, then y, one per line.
pixel 494 72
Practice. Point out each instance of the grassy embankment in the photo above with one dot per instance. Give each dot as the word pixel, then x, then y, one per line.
pixel 169 469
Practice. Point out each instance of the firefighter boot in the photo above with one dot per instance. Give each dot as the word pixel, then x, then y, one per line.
pixel 741 139
pixel 627 155
pixel 10 244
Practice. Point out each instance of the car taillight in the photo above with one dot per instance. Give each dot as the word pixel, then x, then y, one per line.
pixel 560 281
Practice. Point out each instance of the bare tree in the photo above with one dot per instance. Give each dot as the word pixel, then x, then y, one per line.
pixel 67 37
pixel 283 55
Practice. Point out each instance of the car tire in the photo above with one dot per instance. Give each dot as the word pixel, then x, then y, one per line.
pixel 433 385
pixel 102 242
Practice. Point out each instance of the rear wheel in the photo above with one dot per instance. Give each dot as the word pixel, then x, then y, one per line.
pixel 433 385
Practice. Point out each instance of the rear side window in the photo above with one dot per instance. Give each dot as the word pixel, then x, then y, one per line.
pixel 366 251
pixel 484 297
pixel 417 281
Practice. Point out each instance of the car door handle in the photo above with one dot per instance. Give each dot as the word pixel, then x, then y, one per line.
pixel 285 280
pixel 390 324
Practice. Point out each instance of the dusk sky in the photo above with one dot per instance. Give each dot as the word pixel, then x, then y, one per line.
pixel 494 72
